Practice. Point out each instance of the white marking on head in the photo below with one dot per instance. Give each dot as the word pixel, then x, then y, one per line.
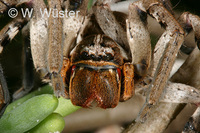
pixel 98 50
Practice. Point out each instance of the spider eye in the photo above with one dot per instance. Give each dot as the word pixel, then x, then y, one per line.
pixel 100 57
pixel 108 57
pixel 84 55
pixel 92 56
pixel 91 44
pixel 103 44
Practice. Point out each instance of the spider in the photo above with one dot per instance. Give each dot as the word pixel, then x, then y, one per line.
pixel 93 57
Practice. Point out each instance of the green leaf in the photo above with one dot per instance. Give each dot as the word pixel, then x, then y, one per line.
pixel 65 107
pixel 28 114
pixel 44 90
pixel 53 123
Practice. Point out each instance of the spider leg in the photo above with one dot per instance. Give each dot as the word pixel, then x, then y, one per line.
pixel 193 124
pixel 109 24
pixel 3 6
pixel 10 30
pixel 175 93
pixel 139 39
pixel 189 70
pixel 6 4
pixel 46 44
pixel 28 76
pixel 163 113
pixel 55 49
pixel 171 40
pixel 6 35
pixel 191 22
pixel 4 93
pixel 72 26
pixel 38 38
